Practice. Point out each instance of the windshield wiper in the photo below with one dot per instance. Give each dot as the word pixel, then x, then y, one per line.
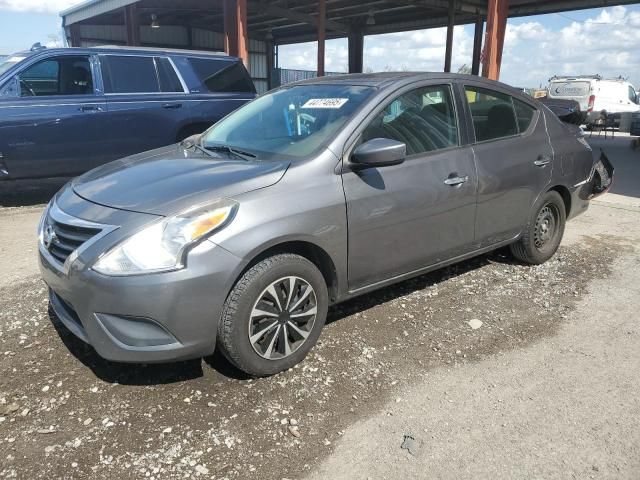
pixel 248 156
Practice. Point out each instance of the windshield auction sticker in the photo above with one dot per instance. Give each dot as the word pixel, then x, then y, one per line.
pixel 325 102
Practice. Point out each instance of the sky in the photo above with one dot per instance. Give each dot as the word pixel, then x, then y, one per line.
pixel 601 40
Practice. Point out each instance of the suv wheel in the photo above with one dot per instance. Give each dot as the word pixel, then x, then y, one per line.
pixel 543 233
pixel 273 315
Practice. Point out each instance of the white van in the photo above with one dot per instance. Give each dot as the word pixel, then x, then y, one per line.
pixel 595 94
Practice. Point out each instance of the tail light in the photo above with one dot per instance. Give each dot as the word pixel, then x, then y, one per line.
pixel 592 101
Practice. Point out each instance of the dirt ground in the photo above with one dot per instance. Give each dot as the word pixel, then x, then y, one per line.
pixel 486 369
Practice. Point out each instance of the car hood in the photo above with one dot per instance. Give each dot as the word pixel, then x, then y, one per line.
pixel 168 180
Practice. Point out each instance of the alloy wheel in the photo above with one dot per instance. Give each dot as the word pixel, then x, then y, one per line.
pixel 282 318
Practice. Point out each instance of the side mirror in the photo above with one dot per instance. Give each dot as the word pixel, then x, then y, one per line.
pixel 379 152
pixel 189 142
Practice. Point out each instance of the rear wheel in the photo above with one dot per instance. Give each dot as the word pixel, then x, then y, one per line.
pixel 273 315
pixel 543 233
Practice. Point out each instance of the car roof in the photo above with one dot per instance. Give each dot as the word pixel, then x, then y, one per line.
pixel 386 79
pixel 126 49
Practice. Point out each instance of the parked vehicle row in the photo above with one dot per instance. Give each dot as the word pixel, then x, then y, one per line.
pixel 307 196
pixel 64 111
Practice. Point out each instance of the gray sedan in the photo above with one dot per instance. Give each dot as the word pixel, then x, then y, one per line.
pixel 309 195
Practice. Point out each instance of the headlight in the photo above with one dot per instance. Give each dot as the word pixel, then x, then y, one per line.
pixel 163 245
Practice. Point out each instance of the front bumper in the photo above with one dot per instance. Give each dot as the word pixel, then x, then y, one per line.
pixel 150 318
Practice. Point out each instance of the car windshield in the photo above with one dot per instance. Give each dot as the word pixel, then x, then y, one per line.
pixel 10 61
pixel 293 121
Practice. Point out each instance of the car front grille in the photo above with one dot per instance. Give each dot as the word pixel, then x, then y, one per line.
pixel 67 238
pixel 62 234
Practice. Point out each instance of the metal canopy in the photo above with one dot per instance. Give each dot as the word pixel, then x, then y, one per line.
pixel 291 21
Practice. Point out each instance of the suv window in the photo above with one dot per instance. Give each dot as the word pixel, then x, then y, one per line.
pixel 222 75
pixel 66 75
pixel 129 74
pixel 169 81
pixel 424 119
pixel 492 112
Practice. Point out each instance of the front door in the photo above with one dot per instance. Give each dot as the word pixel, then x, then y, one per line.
pixel 514 160
pixel 405 217
pixel 52 124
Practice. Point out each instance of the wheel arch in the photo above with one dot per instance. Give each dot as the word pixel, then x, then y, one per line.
pixel 566 197
pixel 309 250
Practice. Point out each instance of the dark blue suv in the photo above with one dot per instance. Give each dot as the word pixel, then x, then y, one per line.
pixel 64 111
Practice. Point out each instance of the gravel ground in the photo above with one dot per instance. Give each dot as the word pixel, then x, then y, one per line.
pixel 66 412
pixel 419 346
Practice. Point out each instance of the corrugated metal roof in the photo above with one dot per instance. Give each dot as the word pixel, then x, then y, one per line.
pixel 91 8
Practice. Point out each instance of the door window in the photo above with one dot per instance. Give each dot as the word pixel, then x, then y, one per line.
pixel 632 95
pixel 66 75
pixel 524 114
pixel 169 81
pixel 492 112
pixel 129 74
pixel 423 119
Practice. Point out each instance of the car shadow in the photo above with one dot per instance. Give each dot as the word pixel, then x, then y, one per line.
pixel 165 373
pixel 22 193
pixel 125 373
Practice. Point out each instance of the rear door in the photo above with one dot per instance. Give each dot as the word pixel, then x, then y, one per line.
pixel 514 161
pixel 147 102
pixel 405 217
pixel 53 122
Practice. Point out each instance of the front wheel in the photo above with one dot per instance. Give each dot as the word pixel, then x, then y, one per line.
pixel 273 315
pixel 543 233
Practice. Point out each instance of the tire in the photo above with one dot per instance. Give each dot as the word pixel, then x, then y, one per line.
pixel 538 244
pixel 251 308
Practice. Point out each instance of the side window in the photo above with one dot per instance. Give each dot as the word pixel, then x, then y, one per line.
pixel 424 119
pixel 222 75
pixel 129 74
pixel 524 114
pixel 67 75
pixel 169 81
pixel 492 112
pixel 632 95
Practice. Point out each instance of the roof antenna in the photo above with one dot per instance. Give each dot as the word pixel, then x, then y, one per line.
pixel 37 46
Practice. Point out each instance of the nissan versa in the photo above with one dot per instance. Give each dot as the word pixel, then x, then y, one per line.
pixel 309 195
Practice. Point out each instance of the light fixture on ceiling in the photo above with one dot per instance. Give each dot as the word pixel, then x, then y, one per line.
pixel 371 20
pixel 269 35
pixel 154 21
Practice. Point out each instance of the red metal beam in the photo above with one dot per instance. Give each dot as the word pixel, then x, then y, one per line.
pixel 497 13
pixel 236 42
pixel 322 13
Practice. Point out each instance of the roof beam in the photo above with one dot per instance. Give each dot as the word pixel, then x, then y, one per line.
pixel 300 17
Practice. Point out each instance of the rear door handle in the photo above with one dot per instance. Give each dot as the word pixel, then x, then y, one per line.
pixel 172 106
pixel 454 180
pixel 542 161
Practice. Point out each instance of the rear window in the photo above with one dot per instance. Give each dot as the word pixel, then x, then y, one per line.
pixel 524 114
pixel 569 89
pixel 222 75
pixel 129 74
pixel 492 112
pixel 169 81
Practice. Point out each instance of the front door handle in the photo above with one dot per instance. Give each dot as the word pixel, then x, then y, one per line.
pixel 454 180
pixel 542 161
pixel 90 108
pixel 172 106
